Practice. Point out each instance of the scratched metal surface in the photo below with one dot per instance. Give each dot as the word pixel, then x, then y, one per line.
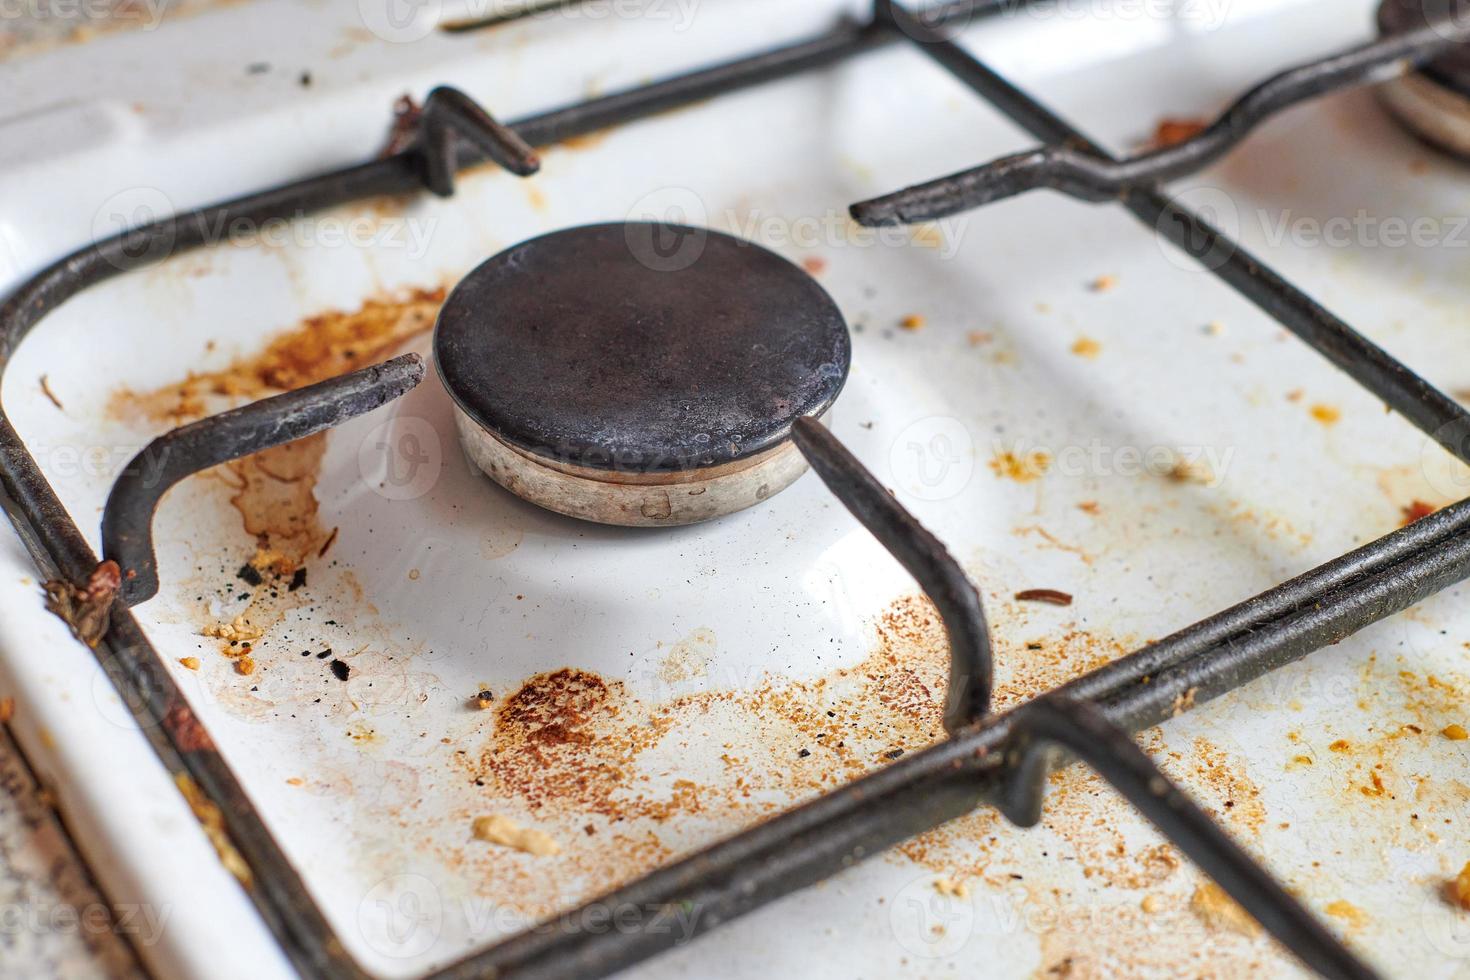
pixel 1063 401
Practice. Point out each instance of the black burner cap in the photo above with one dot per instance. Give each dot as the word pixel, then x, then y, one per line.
pixel 641 348
pixel 1451 69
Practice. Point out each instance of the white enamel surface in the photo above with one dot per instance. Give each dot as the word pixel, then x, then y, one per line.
pixel 790 589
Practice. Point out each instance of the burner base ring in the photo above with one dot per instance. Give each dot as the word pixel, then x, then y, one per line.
pixel 627 499
pixel 1435 113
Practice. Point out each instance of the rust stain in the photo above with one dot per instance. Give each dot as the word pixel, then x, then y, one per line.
pixel 1416 511
pixel 604 772
pixel 87 610
pixel 213 824
pixel 274 491
pixel 1223 776
pixel 187 733
pixel 1021 467
pixel 1171 131
pixel 320 347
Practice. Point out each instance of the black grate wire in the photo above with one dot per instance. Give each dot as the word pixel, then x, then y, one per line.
pixel 989 758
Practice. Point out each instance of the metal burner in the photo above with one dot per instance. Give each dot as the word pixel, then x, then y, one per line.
pixel 1433 103
pixel 639 374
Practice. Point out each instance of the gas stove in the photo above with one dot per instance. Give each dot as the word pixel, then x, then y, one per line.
pixel 418 573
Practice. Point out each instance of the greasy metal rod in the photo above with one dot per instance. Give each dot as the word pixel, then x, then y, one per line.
pixel 971 674
pixel 449 113
pixel 927 788
pixel 127 520
pixel 1082 729
pixel 1432 411
pixel 1089 176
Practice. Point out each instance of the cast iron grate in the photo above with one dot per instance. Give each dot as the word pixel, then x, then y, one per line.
pixel 1000 759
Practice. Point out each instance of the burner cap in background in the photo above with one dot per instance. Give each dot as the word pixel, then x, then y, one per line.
pixel 639 374
pixel 1434 103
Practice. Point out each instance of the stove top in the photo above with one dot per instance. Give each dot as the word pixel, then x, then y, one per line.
pixel 355 708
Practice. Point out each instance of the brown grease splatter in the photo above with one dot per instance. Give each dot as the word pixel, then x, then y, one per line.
pixel 320 347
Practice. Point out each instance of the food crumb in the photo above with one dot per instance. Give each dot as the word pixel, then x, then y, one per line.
pixel 1326 414
pixel 1455 733
pixel 1089 507
pixel 1218 910
pixel 814 265
pixel 484 699
pixel 295 781
pixel 1150 904
pixel 951 888
pixel 245 666
pixel 1103 283
pixel 1214 328
pixel 192 663
pixel 1191 471
pixel 1049 596
pixel 1086 347
pixel 51 395
pixel 1460 887
pixel 1355 917
pixel 340 670
pixel 239 628
pixel 496 829
pixel 913 322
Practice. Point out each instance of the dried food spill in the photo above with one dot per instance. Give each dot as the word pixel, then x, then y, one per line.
pixel 256 606
pixel 542 792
